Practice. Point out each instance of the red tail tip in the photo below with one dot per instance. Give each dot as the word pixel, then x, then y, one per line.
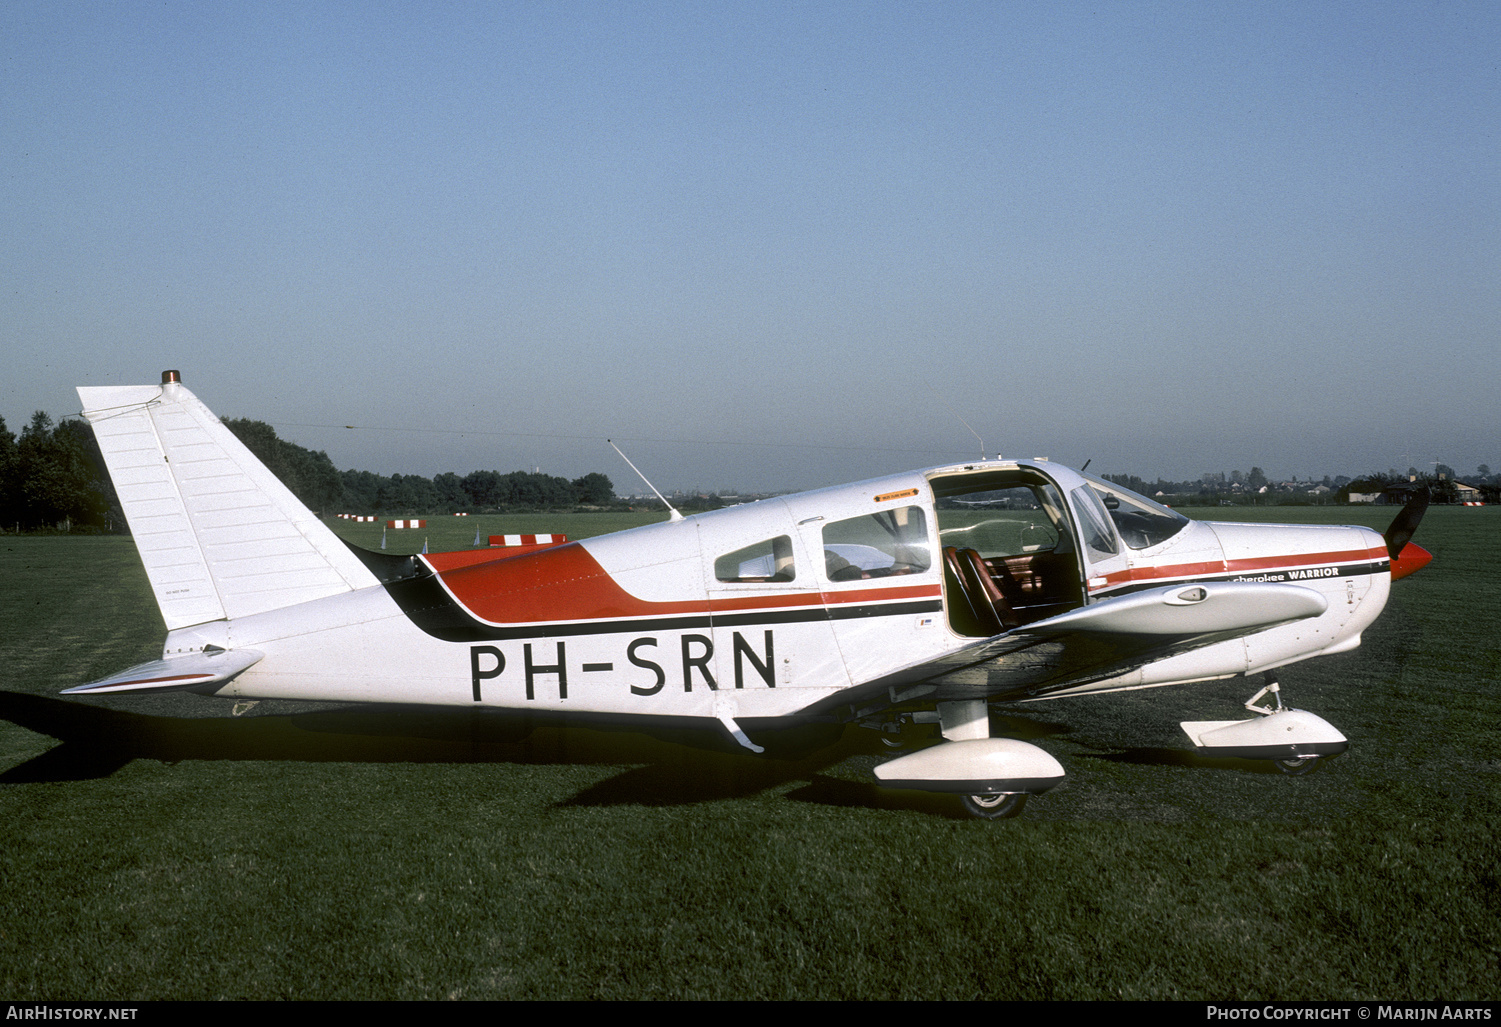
pixel 1411 558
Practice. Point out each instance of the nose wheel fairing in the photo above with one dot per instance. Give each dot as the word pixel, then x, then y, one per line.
pixel 1290 737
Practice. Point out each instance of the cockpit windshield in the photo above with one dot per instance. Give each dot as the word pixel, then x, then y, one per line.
pixel 1141 522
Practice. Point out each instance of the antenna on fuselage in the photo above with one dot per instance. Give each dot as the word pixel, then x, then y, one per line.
pixel 672 515
pixel 965 423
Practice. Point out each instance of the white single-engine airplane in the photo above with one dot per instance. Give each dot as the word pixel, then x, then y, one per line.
pixel 914 598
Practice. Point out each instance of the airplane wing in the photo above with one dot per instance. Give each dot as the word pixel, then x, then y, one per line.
pixel 195 672
pixel 1101 641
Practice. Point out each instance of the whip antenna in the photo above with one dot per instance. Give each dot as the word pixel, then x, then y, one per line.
pixel 963 422
pixel 672 515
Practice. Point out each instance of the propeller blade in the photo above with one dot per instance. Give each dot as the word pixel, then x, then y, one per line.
pixel 1405 523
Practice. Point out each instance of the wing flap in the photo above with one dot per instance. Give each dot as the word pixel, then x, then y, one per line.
pixel 200 671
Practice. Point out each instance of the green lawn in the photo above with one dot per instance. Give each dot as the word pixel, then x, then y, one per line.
pixel 445 532
pixel 159 848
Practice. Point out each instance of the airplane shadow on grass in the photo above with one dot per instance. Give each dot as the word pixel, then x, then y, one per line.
pixel 672 765
pixel 669 764
pixel 1161 757
pixel 97 740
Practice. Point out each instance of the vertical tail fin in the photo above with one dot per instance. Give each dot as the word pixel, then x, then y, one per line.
pixel 220 536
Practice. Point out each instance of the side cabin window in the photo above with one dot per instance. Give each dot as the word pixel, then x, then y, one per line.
pixel 877 545
pixel 770 560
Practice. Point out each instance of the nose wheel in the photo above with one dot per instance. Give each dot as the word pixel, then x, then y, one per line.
pixel 1298 767
pixel 995 807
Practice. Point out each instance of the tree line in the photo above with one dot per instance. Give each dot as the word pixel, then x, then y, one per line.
pixel 50 477
pixel 53 477
pixel 1211 489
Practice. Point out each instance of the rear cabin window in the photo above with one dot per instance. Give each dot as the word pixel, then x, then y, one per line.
pixel 878 545
pixel 770 560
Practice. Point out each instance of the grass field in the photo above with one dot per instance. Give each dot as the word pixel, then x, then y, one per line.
pixel 159 848
pixel 446 533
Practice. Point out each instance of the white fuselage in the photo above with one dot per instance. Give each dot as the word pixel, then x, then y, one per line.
pixel 640 622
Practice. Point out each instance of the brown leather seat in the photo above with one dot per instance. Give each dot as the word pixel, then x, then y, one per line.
pixel 977 606
pixel 966 614
pixel 986 586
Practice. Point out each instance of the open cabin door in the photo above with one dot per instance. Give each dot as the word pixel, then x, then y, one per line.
pixel 1011 553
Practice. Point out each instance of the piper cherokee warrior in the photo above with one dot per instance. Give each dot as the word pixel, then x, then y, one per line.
pixel 918 598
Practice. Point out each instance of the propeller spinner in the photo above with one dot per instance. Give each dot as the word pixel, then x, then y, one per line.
pixel 1405 556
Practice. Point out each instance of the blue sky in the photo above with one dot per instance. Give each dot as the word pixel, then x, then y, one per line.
pixel 768 245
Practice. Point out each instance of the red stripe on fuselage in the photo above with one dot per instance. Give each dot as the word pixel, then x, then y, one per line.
pixel 566 583
pixel 1281 562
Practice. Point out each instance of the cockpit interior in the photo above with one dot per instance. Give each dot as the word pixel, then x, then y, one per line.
pixel 1009 550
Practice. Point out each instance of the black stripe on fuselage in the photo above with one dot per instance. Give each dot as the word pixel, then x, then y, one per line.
pixel 429 606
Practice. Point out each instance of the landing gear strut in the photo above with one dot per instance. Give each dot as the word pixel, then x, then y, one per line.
pixel 1273 688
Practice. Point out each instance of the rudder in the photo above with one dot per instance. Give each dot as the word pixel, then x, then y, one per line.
pixel 219 534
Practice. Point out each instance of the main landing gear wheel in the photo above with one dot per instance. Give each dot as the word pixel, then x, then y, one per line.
pixel 900 734
pixel 1298 767
pixel 995 807
pixel 893 736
